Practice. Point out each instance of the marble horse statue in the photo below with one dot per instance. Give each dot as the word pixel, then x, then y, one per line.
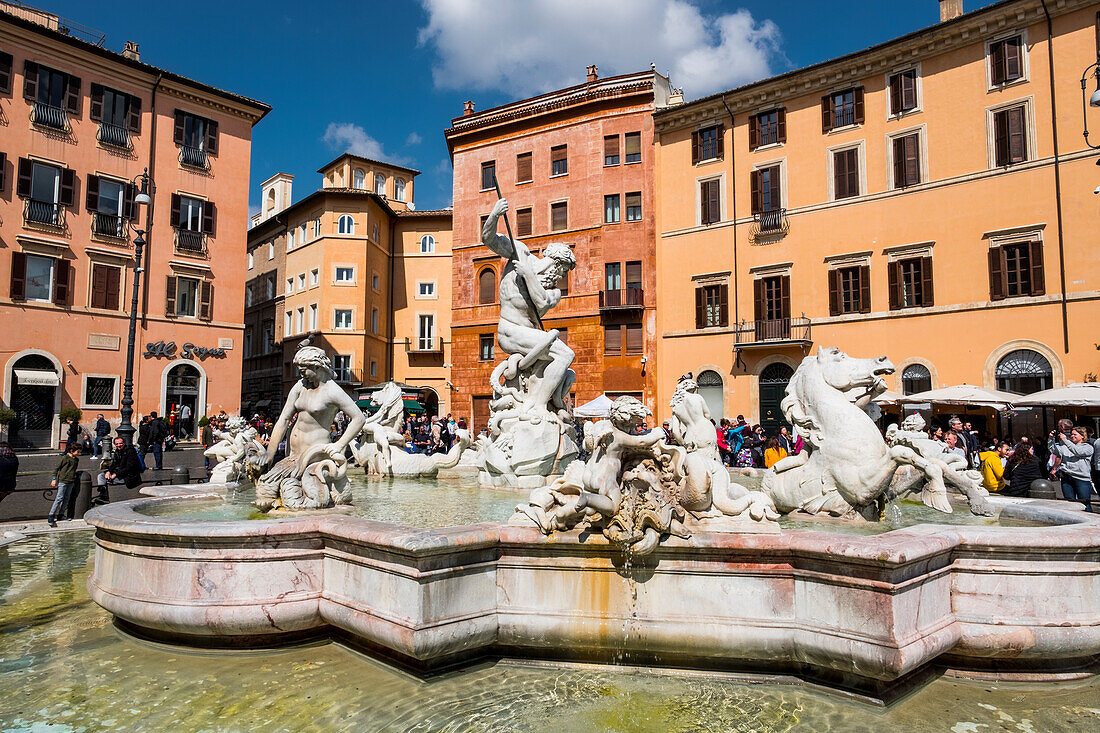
pixel 401 463
pixel 237 452
pixel 313 475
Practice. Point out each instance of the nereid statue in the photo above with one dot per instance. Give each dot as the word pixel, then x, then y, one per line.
pixel 237 452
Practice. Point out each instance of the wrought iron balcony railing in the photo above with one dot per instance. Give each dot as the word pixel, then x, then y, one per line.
pixel 45 115
pixel 773 223
pixel 109 225
pixel 189 242
pixel 114 135
pixel 776 329
pixel 45 213
pixel 627 298
pixel 194 157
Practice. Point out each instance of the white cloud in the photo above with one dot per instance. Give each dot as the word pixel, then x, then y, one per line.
pixel 413 138
pixel 347 137
pixel 523 48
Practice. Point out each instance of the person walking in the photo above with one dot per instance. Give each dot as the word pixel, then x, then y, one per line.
pixel 185 422
pixel 158 431
pixel 102 430
pixel 124 469
pixel 1076 464
pixel 9 469
pixel 64 476
pixel 1021 469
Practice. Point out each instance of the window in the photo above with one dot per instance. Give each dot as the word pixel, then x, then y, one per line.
pixel 425 332
pixel 633 338
pixel 559 160
pixel 634 275
pixel 312 316
pixel 247 296
pixel 485 347
pixel 620 340
pixel 341 367
pixel 611 209
pixel 374 232
pixel 612 272
pixel 488 175
pixel 612 340
pixel 345 274
pixel 374 282
pixel 270 251
pixel 907 166
pixel 706 144
pixel 100 391
pixel 289 240
pixel 317 227
pixel 251 260
pixel 289 285
pixel 1010 136
pixel 915 378
pixel 1023 372
pixel 768 128
pixel 302 234
pixel 427 244
pixel 185 292
pixel 523 168
pixel 710 205
pixel 845 173
pixel 850 290
pixel 765 189
pixel 374 320
pixel 194 220
pixel 346 225
pixel 563 284
pixel 772 307
pixel 910 282
pixel 1016 270
pixel 399 189
pixel 633 147
pixel 711 305
pixel 610 150
pixel 197 138
pixel 903 91
pixel 1006 60
pixel 111 203
pixel 427 290
pixel 359 179
pixel 247 342
pixel 487 286
pixel 342 318
pixel 301 320
pixel 270 289
pixel 54 95
pixel 380 185
pixel 48 189
pixel 6 61
pixel 314 277
pixel 373 368
pixel 119 114
pixel 105 286
pixel 524 222
pixel 842 109
pixel 288 327
pixel 634 206
pixel 559 216
pixel 269 336
pixel 301 281
pixel 37 277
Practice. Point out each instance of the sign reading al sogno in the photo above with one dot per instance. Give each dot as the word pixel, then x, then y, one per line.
pixel 167 350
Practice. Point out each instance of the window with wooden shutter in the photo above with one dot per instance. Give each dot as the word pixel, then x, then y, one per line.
pixel 524 222
pixel 209 218
pixel 858 108
pixel 133 117
pixel 487 286
pixel 174 214
pixel 710 202
pixel 95 112
pixel 906 160
pixel 612 340
pixel 1010 136
pixel 927 299
pixel 903 91
pixel 5 72
pixel 695 147
pixel 633 272
pixel 63 282
pixel 178 128
pixel 30 81
pixel 633 147
pixel 834 291
pixel 707 144
pixel 488 175
pixel 997 284
pixel 826 113
pixel 206 301
pixel 559 216
pixel 523 168
pixel 1038 278
pixel 1006 60
pixel 634 206
pixel 3 171
pixel 91 196
pixel 754 132
pixel 633 338
pixel 170 296
pixel 754 192
pixel 24 177
pixel 610 150
pixel 67 190
pixel 865 289
pixel 210 140
pixel 845 173
pixel 559 160
pixel 99 286
pixel 18 289
pixel 700 307
pixel 767 128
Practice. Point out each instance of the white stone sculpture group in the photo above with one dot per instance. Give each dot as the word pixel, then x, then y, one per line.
pixel 238 453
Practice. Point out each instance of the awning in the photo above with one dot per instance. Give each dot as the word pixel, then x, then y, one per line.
pixel 370 407
pixel 413 406
pixel 36 377
pixel 962 395
pixel 1085 394
pixel 599 407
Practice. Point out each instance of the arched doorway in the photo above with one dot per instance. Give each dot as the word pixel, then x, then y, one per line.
pixel 430 400
pixel 711 389
pixel 35 386
pixel 773 387
pixel 183 384
pixel 915 378
pixel 1023 372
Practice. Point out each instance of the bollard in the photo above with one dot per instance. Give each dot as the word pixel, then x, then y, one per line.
pixel 81 500
pixel 181 475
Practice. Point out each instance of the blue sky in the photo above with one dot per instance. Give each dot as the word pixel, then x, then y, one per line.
pixel 385 78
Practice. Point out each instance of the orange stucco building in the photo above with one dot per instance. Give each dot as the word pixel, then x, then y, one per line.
pixel 911 199
pixel 576 166
pixel 80 123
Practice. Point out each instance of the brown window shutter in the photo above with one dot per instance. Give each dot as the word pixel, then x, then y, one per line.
pixel 1000 138
pixel 3 171
pixel 610 146
pixel 754 188
pixel 1013 64
pixel 865 289
pixel 133 114
pixel 909 90
pixel 694 147
pixel 912 159
pixel 927 298
pixel 758 299
pixel 721 140
pixel 895 94
pixel 30 81
pixel 129 191
pixel 99 286
pixel 826 113
pixel 700 306
pixel 174 217
pixel 211 146
pixel 714 202
pixel 67 195
pixel 114 281
pixel 1017 144
pixel 72 95
pixel 487 286
pixel 781 124
pixel 177 129
pixel 91 198
pixel 632 145
pixel 704 202
pixel 773 181
pixel 857 96
pixel 523 167
pixel 853 171
pixel 899 162
pixel 1038 280
pixel 754 132
pixel 834 292
pixel 893 284
pixel 613 340
pixel 63 282
pixel 96 110
pixel 170 296
pixel 18 276
pixel 206 301
pixel 785 296
pixel 723 305
pixel 23 178
pixel 634 338
pixel 524 221
pixel 5 72
pixel 997 62
pixel 840 175
pixel 559 216
pixel 209 217
pixel 996 274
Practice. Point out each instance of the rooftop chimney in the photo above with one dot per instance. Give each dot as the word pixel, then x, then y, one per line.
pixel 468 109
pixel 592 73
pixel 130 51
pixel 950 9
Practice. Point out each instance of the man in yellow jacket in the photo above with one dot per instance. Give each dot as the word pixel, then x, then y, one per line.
pixel 993 466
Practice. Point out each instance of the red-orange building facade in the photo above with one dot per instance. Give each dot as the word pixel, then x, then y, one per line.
pixel 576 166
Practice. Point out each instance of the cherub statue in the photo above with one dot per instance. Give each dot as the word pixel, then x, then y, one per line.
pixel 236 444
pixel 936 468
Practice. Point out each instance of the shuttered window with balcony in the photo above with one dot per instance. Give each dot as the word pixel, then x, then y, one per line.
pixel 764 185
pixel 54 95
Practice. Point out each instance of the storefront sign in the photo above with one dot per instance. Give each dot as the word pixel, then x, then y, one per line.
pixel 167 349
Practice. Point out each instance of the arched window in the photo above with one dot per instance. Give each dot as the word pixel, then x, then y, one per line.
pixel 915 378
pixel 380 184
pixel 359 177
pixel 270 200
pixel 487 286
pixel 710 389
pixel 346 224
pixel 399 189
pixel 427 244
pixel 1024 371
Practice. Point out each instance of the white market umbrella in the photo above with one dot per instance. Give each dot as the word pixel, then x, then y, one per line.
pixel 962 394
pixel 889 397
pixel 1072 395
pixel 599 407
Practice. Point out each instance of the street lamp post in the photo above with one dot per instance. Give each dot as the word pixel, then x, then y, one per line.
pixel 1094 100
pixel 126 428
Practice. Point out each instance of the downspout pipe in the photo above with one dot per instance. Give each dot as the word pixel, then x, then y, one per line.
pixel 391 323
pixel 733 215
pixel 1057 180
pixel 153 196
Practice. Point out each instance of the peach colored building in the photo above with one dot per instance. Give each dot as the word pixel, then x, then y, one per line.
pixel 914 199
pixel 365 276
pixel 80 122
pixel 576 166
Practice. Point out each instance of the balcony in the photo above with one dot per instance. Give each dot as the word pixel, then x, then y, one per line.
pixel 44 213
pixel 622 299
pixel 194 158
pixel 114 135
pixel 770 225
pixel 774 332
pixel 424 345
pixel 48 116
pixel 347 375
pixel 190 243
pixel 109 225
